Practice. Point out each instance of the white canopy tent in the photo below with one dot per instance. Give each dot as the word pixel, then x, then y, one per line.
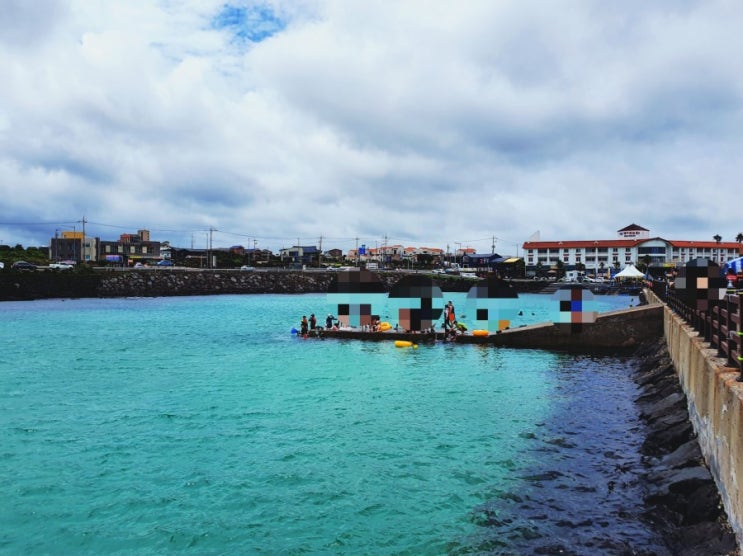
pixel 630 271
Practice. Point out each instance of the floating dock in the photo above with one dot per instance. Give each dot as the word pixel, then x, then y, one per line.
pixel 625 328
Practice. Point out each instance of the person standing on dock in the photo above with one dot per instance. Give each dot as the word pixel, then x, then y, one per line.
pixel 313 321
pixel 303 326
pixel 450 314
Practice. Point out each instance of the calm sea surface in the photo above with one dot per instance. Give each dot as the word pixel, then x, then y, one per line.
pixel 201 425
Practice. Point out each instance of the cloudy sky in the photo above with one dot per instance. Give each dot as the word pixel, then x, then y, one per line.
pixel 423 122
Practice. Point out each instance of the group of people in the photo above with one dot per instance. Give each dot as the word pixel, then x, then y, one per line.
pixel 306 325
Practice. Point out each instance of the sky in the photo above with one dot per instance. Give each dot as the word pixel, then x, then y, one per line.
pixel 420 122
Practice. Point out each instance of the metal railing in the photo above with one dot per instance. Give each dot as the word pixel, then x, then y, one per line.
pixel 720 325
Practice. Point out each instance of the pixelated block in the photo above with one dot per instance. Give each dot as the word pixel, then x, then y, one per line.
pixel 355 314
pixel 574 305
pixel 418 302
pixel 700 282
pixel 356 295
pixel 356 281
pixel 493 303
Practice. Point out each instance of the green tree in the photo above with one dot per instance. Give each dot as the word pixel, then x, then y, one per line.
pixel 425 260
pixel 717 238
pixel 560 269
pixel 739 238
pixel 644 263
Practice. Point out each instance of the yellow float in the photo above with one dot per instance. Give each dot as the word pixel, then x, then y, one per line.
pixel 480 333
pixel 404 344
pixel 384 326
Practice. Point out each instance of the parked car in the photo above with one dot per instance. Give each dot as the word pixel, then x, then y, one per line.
pixel 165 263
pixel 60 266
pixel 247 268
pixel 23 265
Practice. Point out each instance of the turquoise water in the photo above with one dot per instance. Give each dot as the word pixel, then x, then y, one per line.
pixel 200 424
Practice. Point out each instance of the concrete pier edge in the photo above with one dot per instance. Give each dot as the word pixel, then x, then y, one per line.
pixel 715 403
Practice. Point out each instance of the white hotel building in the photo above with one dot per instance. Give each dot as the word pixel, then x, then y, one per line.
pixel 632 246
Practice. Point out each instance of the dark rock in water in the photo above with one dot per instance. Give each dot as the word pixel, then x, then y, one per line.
pixel 677 481
pixel 705 539
pixel 682 500
pixel 685 455
pixel 663 441
pixel 675 401
pixel 704 505
pixel 651 375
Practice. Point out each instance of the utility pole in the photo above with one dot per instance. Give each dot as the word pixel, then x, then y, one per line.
pixel 384 252
pixel 357 251
pixel 85 251
pixel 492 249
pixel 211 245
pixel 319 255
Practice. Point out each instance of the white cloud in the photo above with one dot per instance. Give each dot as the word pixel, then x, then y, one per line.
pixel 415 120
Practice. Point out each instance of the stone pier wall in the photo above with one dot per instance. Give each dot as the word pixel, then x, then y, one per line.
pixel 715 400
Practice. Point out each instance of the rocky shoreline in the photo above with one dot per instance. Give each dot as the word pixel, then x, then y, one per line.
pixel 160 282
pixel 682 501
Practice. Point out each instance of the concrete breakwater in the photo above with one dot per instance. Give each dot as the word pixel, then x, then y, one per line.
pixel 156 282
pixel 682 499
pixel 715 404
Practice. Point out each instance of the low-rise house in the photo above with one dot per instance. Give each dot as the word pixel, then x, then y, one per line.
pixel 300 254
pixel 132 248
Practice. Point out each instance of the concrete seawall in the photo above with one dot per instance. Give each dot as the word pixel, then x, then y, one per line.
pixel 715 401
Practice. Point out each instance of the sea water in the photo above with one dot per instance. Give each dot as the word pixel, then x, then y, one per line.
pixel 202 425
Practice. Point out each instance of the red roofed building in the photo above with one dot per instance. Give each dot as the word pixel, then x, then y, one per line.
pixel 632 246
